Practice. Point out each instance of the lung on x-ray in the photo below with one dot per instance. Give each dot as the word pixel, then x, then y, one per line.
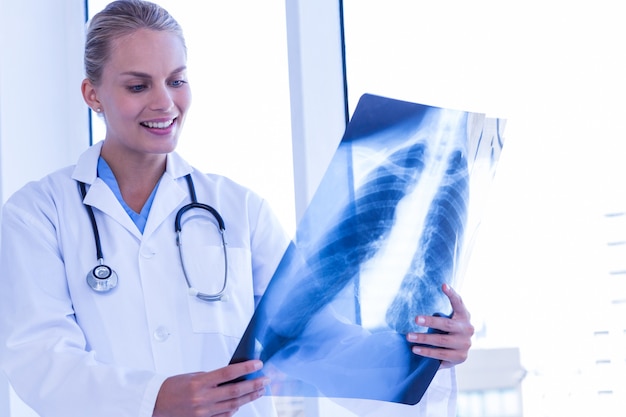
pixel 392 220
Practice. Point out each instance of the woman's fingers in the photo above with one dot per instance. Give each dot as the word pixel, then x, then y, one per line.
pixel 451 339
pixel 217 393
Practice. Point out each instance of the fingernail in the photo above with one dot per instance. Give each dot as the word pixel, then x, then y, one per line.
pixel 420 320
pixel 258 365
pixel 412 337
pixel 417 350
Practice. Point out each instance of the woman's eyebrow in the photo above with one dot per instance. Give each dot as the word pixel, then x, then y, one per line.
pixel 179 69
pixel 140 74
pixel 137 74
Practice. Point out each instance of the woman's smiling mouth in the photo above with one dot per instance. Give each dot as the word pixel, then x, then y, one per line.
pixel 158 125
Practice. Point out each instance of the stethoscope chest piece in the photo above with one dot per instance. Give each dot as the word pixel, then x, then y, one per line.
pixel 102 278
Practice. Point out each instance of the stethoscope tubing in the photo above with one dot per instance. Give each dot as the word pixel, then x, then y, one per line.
pixel 94 225
pixel 100 284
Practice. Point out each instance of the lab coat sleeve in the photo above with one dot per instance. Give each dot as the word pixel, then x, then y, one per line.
pixel 43 350
pixel 268 244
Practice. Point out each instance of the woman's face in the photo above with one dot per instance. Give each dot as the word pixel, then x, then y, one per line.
pixel 143 93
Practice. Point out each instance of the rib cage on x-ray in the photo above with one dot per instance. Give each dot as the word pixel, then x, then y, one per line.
pixel 438 250
pixel 354 239
pixel 363 225
pixel 336 311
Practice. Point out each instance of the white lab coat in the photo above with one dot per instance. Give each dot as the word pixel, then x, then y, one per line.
pixel 69 351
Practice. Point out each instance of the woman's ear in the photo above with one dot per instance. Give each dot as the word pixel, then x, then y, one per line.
pixel 90 95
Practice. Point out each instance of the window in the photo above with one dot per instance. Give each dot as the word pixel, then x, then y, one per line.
pixel 490 403
pixel 554 70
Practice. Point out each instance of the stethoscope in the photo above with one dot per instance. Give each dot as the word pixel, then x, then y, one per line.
pixel 103 278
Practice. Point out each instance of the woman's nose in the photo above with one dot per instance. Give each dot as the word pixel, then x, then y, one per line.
pixel 161 99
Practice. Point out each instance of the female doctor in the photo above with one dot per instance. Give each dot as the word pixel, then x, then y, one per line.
pixel 101 311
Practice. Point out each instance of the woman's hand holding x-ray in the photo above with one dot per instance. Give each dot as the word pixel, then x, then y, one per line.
pixel 452 345
pixel 202 393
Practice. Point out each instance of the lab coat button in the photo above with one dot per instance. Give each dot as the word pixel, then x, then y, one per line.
pixel 147 253
pixel 161 334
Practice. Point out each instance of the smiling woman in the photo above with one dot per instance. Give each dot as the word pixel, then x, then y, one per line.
pixel 239 124
pixel 254 104
pixel 143 96
pixel 132 185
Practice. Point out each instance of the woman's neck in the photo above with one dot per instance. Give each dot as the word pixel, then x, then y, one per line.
pixel 136 174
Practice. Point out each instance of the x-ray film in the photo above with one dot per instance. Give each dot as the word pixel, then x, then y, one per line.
pixel 392 220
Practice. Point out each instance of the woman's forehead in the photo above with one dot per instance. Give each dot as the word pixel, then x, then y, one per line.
pixel 148 51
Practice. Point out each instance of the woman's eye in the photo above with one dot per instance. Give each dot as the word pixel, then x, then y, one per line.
pixel 178 83
pixel 137 88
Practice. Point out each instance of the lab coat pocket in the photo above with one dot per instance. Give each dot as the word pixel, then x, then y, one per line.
pixel 230 315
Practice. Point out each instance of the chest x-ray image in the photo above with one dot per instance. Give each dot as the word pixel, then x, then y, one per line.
pixel 392 221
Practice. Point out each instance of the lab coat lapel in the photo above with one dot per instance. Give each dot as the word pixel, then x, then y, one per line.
pixel 168 198
pixel 171 193
pixel 100 197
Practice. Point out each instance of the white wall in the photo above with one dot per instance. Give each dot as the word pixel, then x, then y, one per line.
pixel 43 120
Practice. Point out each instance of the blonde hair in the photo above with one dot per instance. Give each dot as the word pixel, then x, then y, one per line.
pixel 117 19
